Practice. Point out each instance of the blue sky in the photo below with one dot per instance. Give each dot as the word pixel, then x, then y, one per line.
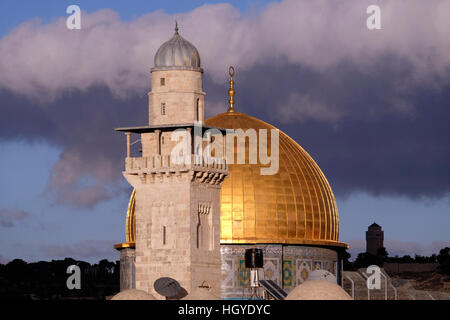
pixel 25 175
pixel 366 109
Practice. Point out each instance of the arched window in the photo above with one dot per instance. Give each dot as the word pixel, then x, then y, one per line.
pixel 163 108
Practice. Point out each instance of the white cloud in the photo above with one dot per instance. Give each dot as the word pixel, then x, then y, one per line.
pixel 40 60
pixel 86 249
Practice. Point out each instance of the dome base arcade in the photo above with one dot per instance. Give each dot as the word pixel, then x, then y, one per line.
pixel 287 265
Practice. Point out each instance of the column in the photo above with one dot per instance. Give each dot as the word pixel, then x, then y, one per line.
pixel 128 135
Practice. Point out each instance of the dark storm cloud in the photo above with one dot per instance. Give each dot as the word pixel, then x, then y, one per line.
pixel 82 125
pixel 370 107
pixel 375 132
pixel 370 143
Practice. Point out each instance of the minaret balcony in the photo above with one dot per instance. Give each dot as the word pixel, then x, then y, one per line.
pixel 155 163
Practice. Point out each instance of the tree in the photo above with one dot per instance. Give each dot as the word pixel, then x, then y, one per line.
pixel 47 279
pixel 444 260
pixel 381 256
pixel 364 260
pixel 347 265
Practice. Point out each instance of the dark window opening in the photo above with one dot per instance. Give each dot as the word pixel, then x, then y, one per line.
pixel 164 235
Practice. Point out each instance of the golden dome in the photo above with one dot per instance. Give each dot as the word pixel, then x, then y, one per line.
pixel 130 225
pixel 294 206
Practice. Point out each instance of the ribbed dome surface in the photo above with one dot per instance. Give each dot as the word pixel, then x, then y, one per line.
pixel 294 206
pixel 177 53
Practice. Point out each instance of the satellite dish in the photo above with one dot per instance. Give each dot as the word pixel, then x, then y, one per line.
pixel 170 288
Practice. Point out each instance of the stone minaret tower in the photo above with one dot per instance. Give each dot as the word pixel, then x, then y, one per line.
pixel 177 205
pixel 374 238
pixel 176 96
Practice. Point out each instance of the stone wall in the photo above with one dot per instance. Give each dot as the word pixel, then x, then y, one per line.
pixel 395 268
pixel 172 202
pixel 182 95
pixel 127 269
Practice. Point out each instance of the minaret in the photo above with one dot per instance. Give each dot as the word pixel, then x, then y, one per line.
pixel 176 96
pixel 177 205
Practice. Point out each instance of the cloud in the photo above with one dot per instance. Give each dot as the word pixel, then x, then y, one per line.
pixel 87 249
pixel 44 59
pixel 3 260
pixel 81 124
pixel 400 248
pixel 301 107
pixel 67 177
pixel 371 107
pixel 9 218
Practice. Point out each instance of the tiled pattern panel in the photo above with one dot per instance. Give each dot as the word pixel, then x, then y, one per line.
pixel 298 262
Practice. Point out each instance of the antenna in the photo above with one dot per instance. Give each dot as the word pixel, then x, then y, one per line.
pixel 255 262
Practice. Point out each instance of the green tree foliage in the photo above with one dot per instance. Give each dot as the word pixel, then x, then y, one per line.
pixel 364 260
pixel 347 265
pixel 381 256
pixel 444 261
pixel 47 280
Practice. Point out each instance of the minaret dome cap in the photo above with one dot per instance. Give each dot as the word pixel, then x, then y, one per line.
pixel 177 54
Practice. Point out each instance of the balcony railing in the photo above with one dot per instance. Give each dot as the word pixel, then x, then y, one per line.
pixel 156 162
